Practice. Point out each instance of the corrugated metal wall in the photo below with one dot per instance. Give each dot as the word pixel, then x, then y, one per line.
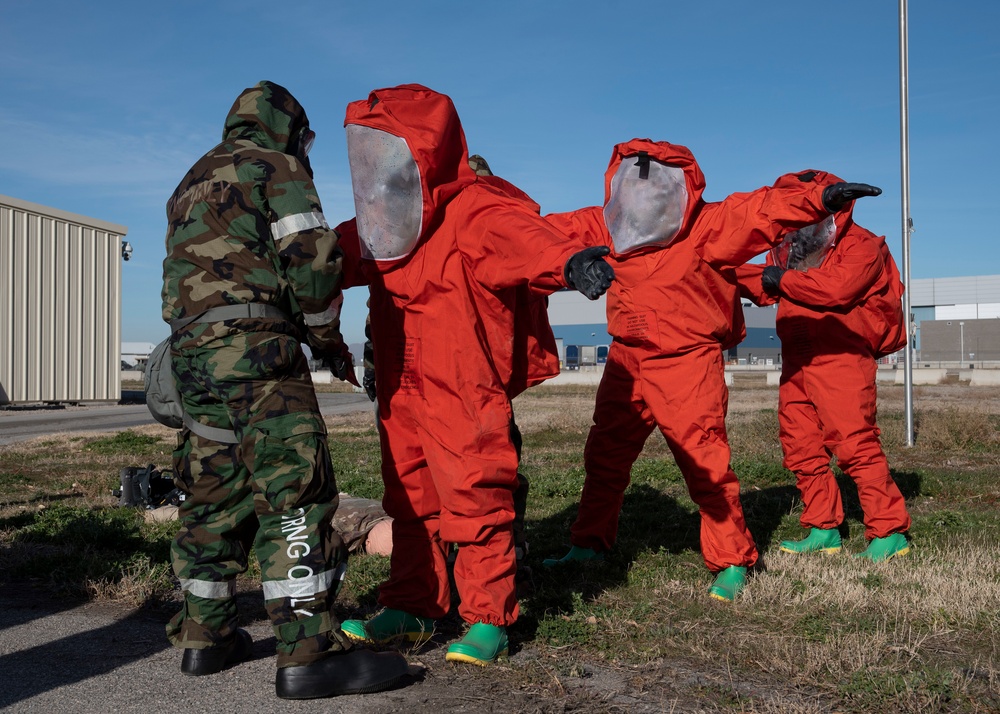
pixel 60 305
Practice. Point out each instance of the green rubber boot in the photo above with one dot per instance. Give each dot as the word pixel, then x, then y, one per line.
pixel 575 553
pixel 819 540
pixel 389 625
pixel 882 549
pixel 728 583
pixel 481 645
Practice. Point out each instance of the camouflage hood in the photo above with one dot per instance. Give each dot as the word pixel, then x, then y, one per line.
pixel 268 115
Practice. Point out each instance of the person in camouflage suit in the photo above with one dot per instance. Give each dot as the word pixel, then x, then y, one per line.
pixel 252 269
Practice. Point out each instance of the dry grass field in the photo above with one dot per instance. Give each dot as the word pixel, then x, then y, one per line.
pixel 636 633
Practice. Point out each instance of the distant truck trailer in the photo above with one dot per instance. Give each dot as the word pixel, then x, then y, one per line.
pixel 585 356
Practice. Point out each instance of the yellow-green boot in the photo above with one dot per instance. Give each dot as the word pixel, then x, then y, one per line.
pixel 575 553
pixel 882 549
pixel 728 583
pixel 819 540
pixel 481 645
pixel 389 625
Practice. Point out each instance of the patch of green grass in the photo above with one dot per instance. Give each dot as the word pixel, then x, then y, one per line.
pixel 656 472
pixel 812 627
pixel 360 589
pixel 75 549
pixel 357 463
pixel 103 528
pixel 554 441
pixel 923 688
pixel 873 581
pixel 576 625
pixel 13 481
pixel 762 472
pixel 942 526
pixel 555 484
pixel 125 443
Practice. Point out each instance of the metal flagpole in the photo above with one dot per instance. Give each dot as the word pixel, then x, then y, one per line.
pixel 904 136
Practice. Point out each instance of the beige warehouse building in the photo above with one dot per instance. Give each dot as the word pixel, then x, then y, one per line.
pixel 60 305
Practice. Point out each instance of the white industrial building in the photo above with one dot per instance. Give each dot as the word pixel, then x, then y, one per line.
pixel 956 322
pixel 60 305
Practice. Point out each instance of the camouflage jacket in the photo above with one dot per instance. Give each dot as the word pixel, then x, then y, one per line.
pixel 246 225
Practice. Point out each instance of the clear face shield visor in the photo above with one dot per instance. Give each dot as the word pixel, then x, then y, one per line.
pixel 388 199
pixel 306 139
pixel 647 204
pixel 302 143
pixel 807 247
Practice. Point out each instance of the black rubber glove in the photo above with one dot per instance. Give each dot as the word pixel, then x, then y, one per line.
pixel 838 195
pixel 341 364
pixel 587 272
pixel 368 379
pixel 770 279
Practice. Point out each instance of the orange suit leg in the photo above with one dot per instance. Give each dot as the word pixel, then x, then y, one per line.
pixel 622 423
pixel 418 576
pixel 474 466
pixel 805 454
pixel 689 399
pixel 842 387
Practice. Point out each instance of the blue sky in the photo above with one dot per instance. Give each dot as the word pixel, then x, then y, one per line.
pixel 106 105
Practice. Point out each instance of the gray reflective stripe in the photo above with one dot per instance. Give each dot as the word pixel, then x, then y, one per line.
pixel 312 319
pixel 223 436
pixel 296 224
pixel 210 589
pixel 243 311
pixel 300 587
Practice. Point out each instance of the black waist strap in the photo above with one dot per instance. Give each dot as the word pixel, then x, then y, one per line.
pixel 230 312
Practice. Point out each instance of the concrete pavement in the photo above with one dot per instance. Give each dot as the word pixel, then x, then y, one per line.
pixel 22 423
pixel 57 656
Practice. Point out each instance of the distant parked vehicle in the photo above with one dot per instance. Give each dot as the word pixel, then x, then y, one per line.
pixel 572 357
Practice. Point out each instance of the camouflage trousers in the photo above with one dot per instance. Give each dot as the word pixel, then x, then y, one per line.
pixel 274 490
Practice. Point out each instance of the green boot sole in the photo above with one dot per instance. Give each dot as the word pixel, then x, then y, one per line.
pixel 482 645
pixel 389 625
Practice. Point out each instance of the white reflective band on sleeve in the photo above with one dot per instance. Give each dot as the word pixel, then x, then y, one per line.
pixel 299 588
pixel 327 316
pixel 296 224
pixel 210 589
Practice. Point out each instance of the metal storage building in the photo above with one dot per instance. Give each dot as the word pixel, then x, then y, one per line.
pixel 60 305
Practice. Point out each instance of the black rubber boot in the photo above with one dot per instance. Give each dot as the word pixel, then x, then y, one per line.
pixel 215 659
pixel 358 671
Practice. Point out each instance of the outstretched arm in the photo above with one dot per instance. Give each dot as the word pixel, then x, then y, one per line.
pixel 745 225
